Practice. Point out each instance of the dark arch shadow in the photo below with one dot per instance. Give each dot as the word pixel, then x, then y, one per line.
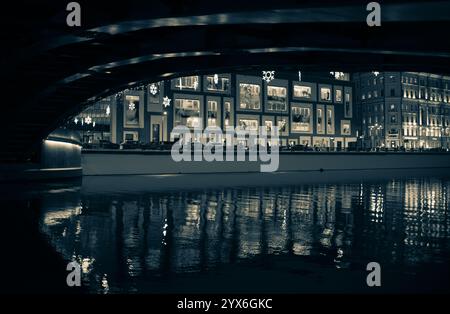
pixel 59 76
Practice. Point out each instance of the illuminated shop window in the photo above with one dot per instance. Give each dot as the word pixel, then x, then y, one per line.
pixel 338 95
pixel 212 113
pixel 301 119
pixel 248 124
pixel 269 125
pixel 187 82
pixel 330 120
pixel 283 127
pixel 132 111
pixel 348 109
pixel 249 96
pixel 346 127
pixel 217 84
pixel 320 121
pixel 301 91
pixel 325 94
pixel 228 114
pixel 276 98
pixel 187 112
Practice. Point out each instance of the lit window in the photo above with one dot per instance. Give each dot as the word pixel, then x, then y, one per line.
pixel 330 120
pixel 325 94
pixel 221 84
pixel 132 112
pixel 319 121
pixel 276 98
pixel 338 95
pixel 301 119
pixel 212 113
pixel 301 91
pixel 227 110
pixel 346 127
pixel 187 82
pixel 348 110
pixel 249 96
pixel 187 112
pixel 248 124
pixel 268 124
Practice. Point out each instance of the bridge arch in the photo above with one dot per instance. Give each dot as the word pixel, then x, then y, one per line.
pixel 62 70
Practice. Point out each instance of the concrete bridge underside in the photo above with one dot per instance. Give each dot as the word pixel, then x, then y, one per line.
pixel 51 71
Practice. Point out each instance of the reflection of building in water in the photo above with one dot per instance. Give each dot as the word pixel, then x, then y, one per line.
pixel 127 238
pixel 427 225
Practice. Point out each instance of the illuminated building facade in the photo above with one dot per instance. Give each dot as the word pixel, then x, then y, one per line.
pixel 403 109
pixel 316 111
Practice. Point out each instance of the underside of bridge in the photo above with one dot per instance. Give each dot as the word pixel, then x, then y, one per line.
pixel 52 71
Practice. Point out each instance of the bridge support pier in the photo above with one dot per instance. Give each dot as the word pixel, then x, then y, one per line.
pixel 59 158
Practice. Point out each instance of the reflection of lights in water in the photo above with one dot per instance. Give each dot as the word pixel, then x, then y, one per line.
pixel 301 249
pixel 376 205
pixel 105 284
pixel 86 265
pixel 243 224
pixel 326 242
pixel 52 218
pixel 211 212
pixel 165 226
pixel 193 213
pixel 78 228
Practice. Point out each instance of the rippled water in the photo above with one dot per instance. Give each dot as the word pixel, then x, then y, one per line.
pixel 305 238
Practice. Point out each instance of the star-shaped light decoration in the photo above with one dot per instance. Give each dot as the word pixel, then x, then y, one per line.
pixel 75 120
pixel 166 101
pixel 153 89
pixel 268 76
pixel 131 106
pixel 88 120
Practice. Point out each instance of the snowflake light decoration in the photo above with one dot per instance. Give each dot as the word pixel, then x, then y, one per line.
pixel 216 79
pixel 153 89
pixel 337 75
pixel 75 120
pixel 166 101
pixel 108 110
pixel 131 106
pixel 88 120
pixel 268 76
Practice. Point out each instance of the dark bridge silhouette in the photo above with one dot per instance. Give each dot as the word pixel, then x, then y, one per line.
pixel 52 71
